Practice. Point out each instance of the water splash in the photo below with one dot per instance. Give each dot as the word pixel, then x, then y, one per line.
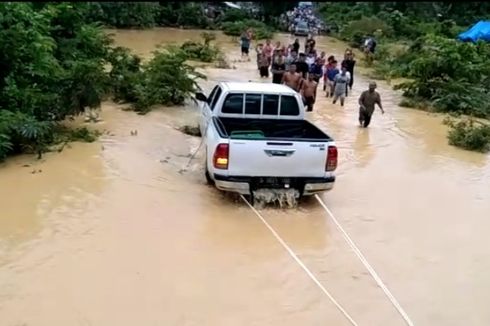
pixel 285 198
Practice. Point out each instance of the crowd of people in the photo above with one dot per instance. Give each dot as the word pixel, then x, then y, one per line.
pixel 303 14
pixel 305 70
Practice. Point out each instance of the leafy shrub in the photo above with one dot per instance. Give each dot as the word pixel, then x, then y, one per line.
pixel 357 30
pixel 125 73
pixel 51 67
pixel 453 75
pixel 234 15
pixel 469 134
pixel 205 51
pixel 125 14
pixel 167 79
pixel 261 30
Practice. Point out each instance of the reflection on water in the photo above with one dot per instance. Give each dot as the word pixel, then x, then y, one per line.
pixel 124 231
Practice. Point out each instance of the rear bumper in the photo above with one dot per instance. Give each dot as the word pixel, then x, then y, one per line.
pixel 245 185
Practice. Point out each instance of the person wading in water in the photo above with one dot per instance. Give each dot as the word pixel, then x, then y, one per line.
pixel 245 44
pixel 301 65
pixel 349 62
pixel 292 78
pixel 278 67
pixel 308 90
pixel 367 100
pixel 340 86
pixel 316 70
pixel 264 66
pixel 267 50
pixel 296 45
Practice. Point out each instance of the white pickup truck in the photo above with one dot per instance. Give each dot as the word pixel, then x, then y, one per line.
pixel 256 137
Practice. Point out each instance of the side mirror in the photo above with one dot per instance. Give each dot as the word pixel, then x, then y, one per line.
pixel 201 97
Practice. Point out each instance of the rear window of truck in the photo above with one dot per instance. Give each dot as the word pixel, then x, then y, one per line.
pixel 233 104
pixel 265 104
pixel 289 105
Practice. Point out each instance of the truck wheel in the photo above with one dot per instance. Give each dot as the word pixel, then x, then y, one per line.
pixel 209 181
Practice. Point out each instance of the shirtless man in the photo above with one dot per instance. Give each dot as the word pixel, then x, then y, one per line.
pixel 292 78
pixel 308 90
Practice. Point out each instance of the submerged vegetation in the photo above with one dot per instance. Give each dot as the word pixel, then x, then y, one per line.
pixel 53 67
pixel 417 41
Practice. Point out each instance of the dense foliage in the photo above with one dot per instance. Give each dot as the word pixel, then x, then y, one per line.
pixel 54 66
pixel 203 51
pixel 166 79
pixel 261 30
pixel 418 41
pixel 148 14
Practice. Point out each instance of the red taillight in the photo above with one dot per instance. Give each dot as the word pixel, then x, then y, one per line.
pixel 220 159
pixel 331 158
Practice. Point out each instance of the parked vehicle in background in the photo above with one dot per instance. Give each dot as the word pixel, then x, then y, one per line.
pixel 256 137
pixel 301 29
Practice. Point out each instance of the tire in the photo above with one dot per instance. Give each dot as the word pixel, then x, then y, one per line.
pixel 209 180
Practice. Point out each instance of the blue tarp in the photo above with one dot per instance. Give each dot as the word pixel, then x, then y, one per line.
pixel 480 31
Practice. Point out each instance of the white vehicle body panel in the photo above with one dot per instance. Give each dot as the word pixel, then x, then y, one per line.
pixel 266 157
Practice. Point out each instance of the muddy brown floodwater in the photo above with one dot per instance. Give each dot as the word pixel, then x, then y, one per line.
pixel 115 233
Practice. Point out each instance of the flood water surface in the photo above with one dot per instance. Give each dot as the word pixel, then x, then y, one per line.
pixel 124 231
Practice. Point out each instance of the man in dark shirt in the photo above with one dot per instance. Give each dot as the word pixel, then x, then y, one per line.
pixel 367 100
pixel 310 44
pixel 316 70
pixel 296 46
pixel 302 66
pixel 349 63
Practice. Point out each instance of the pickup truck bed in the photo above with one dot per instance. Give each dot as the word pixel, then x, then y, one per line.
pixel 270 128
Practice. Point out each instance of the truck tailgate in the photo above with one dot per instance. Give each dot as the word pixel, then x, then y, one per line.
pixel 277 158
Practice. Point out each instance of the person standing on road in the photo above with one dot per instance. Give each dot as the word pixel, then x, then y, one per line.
pixel 259 49
pixel 316 70
pixel 367 101
pixel 322 58
pixel 245 44
pixel 340 86
pixel 330 74
pixel 292 57
pixel 291 78
pixel 308 91
pixel 278 67
pixel 268 51
pixel 296 45
pixel 302 66
pixel 264 66
pixel 310 44
pixel 349 62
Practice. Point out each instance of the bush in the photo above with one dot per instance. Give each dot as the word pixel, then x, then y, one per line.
pixel 125 14
pixel 356 31
pixel 469 134
pixel 205 51
pixel 167 79
pixel 234 15
pixel 453 75
pixel 52 66
pixel 261 30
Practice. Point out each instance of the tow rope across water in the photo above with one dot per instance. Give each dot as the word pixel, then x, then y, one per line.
pixel 301 264
pixel 356 250
pixel 366 264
